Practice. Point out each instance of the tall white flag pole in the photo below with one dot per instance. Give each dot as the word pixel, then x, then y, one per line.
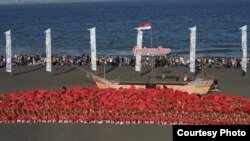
pixel 48 50
pixel 8 51
pixel 192 48
pixel 244 49
pixel 139 45
pixel 93 48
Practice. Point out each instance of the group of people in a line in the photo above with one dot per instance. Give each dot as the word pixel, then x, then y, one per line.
pixel 123 106
pixel 160 61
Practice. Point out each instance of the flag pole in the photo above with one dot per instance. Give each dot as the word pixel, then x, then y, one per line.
pixel 151 37
pixel 152 61
pixel 104 69
pixel 153 65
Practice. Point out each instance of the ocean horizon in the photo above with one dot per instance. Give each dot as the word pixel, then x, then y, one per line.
pixel 218 24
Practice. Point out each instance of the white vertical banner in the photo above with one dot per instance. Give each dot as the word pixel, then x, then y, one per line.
pixel 48 50
pixel 93 48
pixel 139 45
pixel 8 51
pixel 244 48
pixel 192 48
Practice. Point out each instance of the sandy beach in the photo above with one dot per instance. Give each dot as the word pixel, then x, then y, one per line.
pixel 30 78
pixel 84 132
pixel 25 78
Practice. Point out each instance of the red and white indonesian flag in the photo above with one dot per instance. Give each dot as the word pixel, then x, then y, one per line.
pixel 145 26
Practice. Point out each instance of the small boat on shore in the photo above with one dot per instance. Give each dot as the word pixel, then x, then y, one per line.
pixel 200 85
pixel 197 86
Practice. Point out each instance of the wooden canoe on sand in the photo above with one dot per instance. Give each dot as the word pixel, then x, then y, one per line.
pixel 197 86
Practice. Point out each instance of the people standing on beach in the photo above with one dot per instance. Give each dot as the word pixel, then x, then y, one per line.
pixel 163 78
pixel 88 60
pixel 64 89
pixel 185 77
pixel 2 61
pixel 162 61
pixel 54 61
pixel 216 86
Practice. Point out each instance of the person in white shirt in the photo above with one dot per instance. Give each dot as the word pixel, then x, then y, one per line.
pixel 185 77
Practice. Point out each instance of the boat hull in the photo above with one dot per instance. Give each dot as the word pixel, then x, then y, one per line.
pixel 198 86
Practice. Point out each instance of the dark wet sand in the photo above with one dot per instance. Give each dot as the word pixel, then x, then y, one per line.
pixel 84 132
pixel 231 81
pixel 28 78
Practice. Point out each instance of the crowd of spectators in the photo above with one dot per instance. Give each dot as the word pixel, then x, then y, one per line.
pixel 160 61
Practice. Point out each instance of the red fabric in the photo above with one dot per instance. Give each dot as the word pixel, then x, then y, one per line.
pixel 145 25
pixel 137 105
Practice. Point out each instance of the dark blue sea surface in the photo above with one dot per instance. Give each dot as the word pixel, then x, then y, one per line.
pixel 218 24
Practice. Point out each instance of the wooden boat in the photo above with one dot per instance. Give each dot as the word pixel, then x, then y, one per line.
pixel 200 85
pixel 197 86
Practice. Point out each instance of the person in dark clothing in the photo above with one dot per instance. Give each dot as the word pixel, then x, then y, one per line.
pixel 216 86
pixel 64 89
